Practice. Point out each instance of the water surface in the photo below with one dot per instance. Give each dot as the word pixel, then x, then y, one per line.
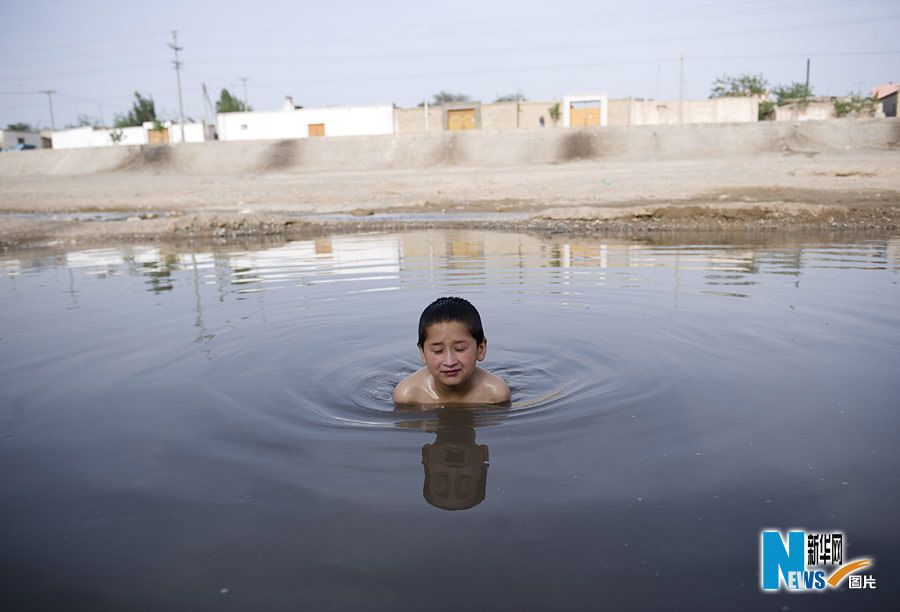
pixel 212 428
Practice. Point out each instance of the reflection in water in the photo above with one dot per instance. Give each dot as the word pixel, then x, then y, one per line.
pixel 455 465
pixel 470 258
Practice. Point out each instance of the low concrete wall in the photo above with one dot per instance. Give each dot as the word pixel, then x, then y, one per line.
pixel 496 116
pixel 471 148
pixel 815 110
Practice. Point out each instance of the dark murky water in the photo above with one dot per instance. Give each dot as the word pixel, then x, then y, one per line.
pixel 194 430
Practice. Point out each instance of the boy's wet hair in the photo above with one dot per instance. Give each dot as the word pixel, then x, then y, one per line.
pixel 454 309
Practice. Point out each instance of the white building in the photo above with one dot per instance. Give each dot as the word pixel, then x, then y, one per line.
pixel 87 136
pixel 10 138
pixel 295 122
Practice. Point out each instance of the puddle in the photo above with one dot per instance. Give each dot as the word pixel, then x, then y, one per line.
pixel 219 421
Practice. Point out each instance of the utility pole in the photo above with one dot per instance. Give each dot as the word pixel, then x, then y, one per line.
pixel 656 91
pixel 807 75
pixel 174 46
pixel 244 81
pixel 681 89
pixel 50 93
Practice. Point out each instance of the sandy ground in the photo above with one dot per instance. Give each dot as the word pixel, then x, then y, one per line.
pixel 856 189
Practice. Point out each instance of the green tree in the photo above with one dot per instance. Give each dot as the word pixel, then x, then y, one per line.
pixel 743 85
pixel 442 97
pixel 19 127
pixel 82 121
pixel 231 104
pixel 514 97
pixel 142 110
pixel 553 111
pixel 794 91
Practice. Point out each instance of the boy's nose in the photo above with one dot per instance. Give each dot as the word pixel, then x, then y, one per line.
pixel 449 358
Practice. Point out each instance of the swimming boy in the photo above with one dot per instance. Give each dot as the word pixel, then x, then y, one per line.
pixel 451 340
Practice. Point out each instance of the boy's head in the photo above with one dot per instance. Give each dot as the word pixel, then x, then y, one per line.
pixel 451 340
pixel 451 310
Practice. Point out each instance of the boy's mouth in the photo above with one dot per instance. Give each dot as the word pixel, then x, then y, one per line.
pixel 451 373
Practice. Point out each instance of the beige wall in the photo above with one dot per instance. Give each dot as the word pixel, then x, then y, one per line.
pixel 671 112
pixel 805 111
pixel 625 111
pixel 619 112
pixel 412 120
pixel 498 116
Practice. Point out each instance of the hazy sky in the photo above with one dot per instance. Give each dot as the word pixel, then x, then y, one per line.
pixel 342 52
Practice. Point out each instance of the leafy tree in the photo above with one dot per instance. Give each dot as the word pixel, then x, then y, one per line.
pixel 743 85
pixel 142 110
pixel 231 104
pixel 514 97
pixel 443 97
pixel 19 127
pixel 793 91
pixel 82 121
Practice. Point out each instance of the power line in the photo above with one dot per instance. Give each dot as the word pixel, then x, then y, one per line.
pixel 641 15
pixel 83 44
pixel 630 41
pixel 514 49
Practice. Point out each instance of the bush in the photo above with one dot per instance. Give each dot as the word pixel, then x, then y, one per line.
pixel 855 106
pixel 766 111
pixel 553 111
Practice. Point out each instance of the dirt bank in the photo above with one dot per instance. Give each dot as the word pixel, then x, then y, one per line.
pixel 856 189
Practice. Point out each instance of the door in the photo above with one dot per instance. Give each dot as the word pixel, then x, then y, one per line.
pixel 316 129
pixel 158 136
pixel 461 119
pixel 583 115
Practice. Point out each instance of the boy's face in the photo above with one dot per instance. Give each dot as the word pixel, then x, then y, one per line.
pixel 450 353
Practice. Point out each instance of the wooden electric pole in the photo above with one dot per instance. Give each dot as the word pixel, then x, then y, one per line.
pixel 174 46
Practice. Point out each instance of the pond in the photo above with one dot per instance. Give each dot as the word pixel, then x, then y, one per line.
pixel 194 428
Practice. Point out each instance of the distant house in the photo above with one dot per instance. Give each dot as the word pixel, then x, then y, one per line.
pixel 294 121
pixel 146 134
pixel 17 139
pixel 886 96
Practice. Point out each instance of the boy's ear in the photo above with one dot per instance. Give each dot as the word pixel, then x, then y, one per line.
pixel 482 350
pixel 422 354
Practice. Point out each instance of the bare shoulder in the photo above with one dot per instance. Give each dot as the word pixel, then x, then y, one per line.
pixel 411 389
pixel 494 389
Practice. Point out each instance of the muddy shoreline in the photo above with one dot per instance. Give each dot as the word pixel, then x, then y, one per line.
pixel 703 221
pixel 854 190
